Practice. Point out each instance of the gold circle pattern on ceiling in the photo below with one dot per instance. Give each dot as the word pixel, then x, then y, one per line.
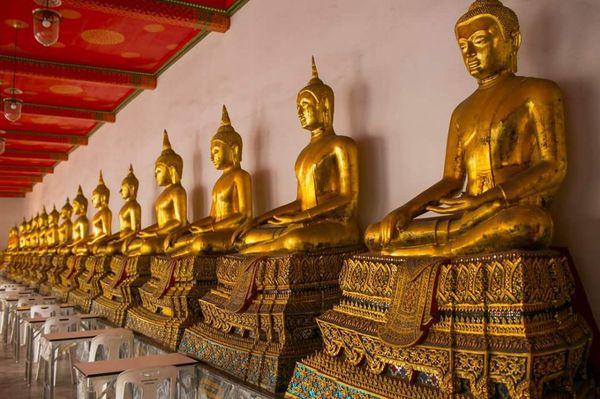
pixel 130 54
pixel 103 37
pixel 65 89
pixel 70 14
pixel 154 28
pixel 16 23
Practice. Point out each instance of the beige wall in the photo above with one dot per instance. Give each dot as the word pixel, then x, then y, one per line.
pixel 11 213
pixel 397 74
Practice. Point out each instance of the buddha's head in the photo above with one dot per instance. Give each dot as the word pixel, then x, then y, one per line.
pixel 22 226
pixel 169 165
pixel 66 211
pixel 315 103
pixel 80 203
pixel 226 145
pixel 28 226
pixel 34 222
pixel 129 186
pixel 101 194
pixel 13 232
pixel 43 218
pixel 53 216
pixel 489 39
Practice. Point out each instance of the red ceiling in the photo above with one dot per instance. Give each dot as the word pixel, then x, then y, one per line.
pixel 107 51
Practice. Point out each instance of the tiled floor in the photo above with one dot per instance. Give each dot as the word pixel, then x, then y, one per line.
pixel 12 379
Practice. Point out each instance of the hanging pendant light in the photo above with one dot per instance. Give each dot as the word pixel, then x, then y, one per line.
pixel 46 22
pixel 12 105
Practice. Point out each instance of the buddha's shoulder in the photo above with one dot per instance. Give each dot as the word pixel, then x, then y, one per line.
pixel 342 141
pixel 538 87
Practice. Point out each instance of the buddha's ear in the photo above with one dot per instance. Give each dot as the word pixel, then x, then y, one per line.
pixel 237 155
pixel 517 39
pixel 173 174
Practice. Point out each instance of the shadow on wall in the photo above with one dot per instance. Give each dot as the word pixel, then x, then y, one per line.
pixel 261 176
pixel 196 192
pixel 372 161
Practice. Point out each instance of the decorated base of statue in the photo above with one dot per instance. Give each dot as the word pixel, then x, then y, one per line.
pixel 28 275
pixel 88 282
pixel 120 287
pixel 498 325
pixel 44 267
pixel 59 265
pixel 68 279
pixel 14 265
pixel 261 317
pixel 169 300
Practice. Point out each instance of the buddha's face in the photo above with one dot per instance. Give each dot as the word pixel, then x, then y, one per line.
pixel 485 50
pixel 65 213
pixel 126 191
pixel 310 115
pixel 161 174
pixel 78 208
pixel 221 155
pixel 99 200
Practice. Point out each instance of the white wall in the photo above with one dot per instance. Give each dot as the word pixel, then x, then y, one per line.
pixel 11 213
pixel 397 74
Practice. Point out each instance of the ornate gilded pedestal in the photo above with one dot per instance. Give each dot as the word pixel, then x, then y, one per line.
pixel 120 287
pixel 40 273
pixel 69 277
pixel 28 275
pixel 88 282
pixel 504 327
pixel 261 340
pixel 169 300
pixel 59 265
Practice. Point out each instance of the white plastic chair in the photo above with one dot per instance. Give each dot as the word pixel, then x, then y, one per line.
pixel 59 324
pixel 148 381
pixel 45 310
pixel 111 342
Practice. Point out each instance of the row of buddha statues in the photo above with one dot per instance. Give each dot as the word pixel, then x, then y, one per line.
pixel 472 294
pixel 498 181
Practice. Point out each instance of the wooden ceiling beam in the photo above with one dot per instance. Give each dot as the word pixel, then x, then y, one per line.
pixel 25 169
pixel 28 67
pixel 66 112
pixel 43 138
pixel 169 12
pixel 15 189
pixel 14 182
pixel 20 178
pixel 34 155
pixel 12 195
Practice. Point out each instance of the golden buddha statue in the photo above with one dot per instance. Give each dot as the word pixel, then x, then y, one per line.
pixel 102 219
pixel 130 217
pixel 22 237
pixel 231 200
pixel 65 229
pixel 52 239
pixel 507 140
pixel 34 233
pixel 13 239
pixel 81 226
pixel 325 212
pixel 170 207
pixel 42 225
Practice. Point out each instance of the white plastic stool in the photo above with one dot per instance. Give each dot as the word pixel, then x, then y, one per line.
pixel 148 380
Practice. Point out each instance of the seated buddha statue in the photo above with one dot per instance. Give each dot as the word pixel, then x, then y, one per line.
pixel 42 226
pixel 34 233
pixel 22 238
pixel 324 213
pixel 102 219
pixel 130 217
pixel 170 207
pixel 231 200
pixel 65 229
pixel 505 146
pixel 52 231
pixel 13 239
pixel 81 225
